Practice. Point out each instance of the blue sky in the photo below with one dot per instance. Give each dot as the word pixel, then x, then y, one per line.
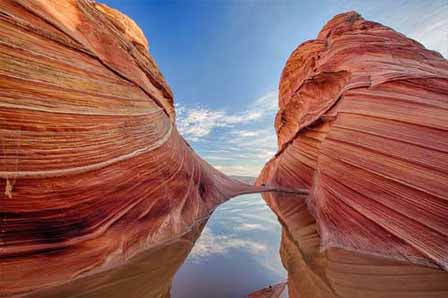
pixel 223 61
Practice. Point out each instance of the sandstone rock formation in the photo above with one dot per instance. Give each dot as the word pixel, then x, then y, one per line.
pixel 149 274
pixel 363 124
pixel 274 291
pixel 92 168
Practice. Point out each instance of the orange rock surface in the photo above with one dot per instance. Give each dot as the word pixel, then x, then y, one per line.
pixel 363 124
pixel 274 291
pixel 147 275
pixel 92 168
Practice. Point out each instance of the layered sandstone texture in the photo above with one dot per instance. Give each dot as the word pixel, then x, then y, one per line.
pixel 92 168
pixel 363 124
pixel 147 275
pixel 273 291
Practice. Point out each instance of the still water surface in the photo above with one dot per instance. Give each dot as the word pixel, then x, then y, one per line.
pixel 236 254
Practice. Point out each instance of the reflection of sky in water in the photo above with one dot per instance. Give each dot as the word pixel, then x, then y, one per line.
pixel 237 253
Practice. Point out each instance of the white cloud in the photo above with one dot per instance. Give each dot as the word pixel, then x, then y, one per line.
pixel 215 157
pixel 424 21
pixel 434 35
pixel 265 139
pixel 239 170
pixel 258 217
pixel 238 143
pixel 251 227
pixel 245 133
pixel 197 122
pixel 267 103
pixel 210 244
pixel 251 150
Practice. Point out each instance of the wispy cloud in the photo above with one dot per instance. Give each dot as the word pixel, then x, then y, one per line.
pixel 424 21
pixel 211 244
pixel 238 170
pixel 236 143
pixel 251 227
pixel 266 103
pixel 434 35
pixel 197 122
pixel 245 133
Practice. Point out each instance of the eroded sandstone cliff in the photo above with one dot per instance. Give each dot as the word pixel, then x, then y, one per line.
pixel 92 169
pixel 362 124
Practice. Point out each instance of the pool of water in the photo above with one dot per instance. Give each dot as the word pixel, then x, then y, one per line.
pixel 236 254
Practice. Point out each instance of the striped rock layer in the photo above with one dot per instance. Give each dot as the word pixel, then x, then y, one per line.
pixel 363 124
pixel 92 168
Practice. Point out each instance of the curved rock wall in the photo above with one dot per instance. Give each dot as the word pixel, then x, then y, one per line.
pixel 147 275
pixel 92 168
pixel 363 125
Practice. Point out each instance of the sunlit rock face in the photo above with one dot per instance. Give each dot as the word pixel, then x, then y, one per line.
pixel 92 171
pixel 362 124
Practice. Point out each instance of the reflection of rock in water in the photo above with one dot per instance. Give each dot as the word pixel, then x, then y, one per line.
pixel 147 275
pixel 363 124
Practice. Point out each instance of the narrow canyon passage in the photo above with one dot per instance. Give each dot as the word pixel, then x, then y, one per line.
pixel 100 188
pixel 242 238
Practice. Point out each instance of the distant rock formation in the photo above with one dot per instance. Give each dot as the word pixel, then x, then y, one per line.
pixel 363 124
pixel 274 291
pixel 92 168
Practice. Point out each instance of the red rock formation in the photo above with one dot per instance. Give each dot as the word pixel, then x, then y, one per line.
pixel 147 275
pixel 274 291
pixel 363 124
pixel 92 169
